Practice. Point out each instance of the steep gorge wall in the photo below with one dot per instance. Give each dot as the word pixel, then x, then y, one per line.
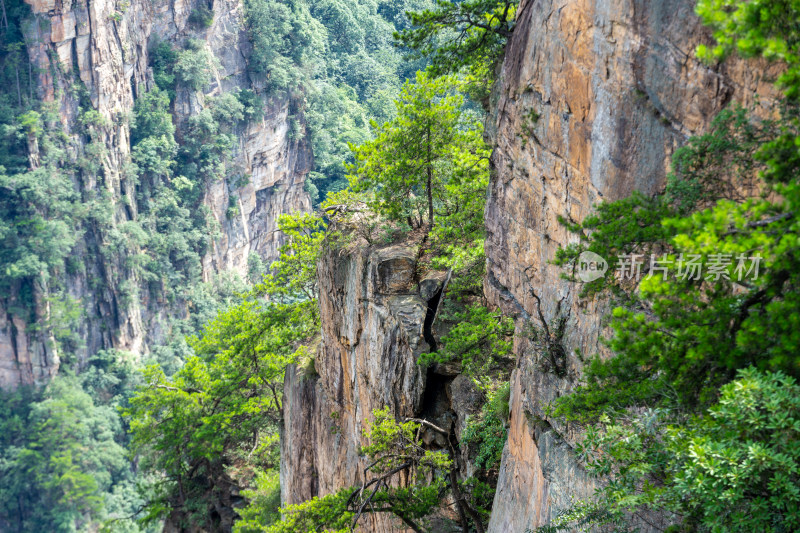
pixel 105 44
pixel 616 89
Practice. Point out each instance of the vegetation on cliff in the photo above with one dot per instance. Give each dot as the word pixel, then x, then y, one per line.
pixel 695 413
pixel 425 171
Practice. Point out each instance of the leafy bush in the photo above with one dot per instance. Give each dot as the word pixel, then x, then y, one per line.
pixel 173 230
pixel 735 468
pixel 282 36
pixel 252 104
pixel 206 149
pixel 479 339
pixel 40 211
pixel 202 16
pixel 195 66
pixel 162 59
pixel 488 431
pixel 227 109
pixel 327 513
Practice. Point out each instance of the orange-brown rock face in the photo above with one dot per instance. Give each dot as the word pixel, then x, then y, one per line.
pixel 593 99
pixel 372 331
pixel 106 43
pixel 373 310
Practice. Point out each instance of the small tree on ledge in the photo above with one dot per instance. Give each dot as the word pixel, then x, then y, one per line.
pixel 431 143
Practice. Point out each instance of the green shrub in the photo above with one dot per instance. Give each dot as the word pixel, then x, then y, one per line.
pixel 195 65
pixel 227 109
pixel 487 431
pixel 252 104
pixel 162 58
pixel 479 339
pixel 735 468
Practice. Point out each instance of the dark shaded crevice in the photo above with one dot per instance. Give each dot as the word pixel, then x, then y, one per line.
pixel 434 399
pixel 430 316
pixel 506 295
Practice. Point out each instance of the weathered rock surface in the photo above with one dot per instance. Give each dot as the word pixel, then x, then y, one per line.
pixel 593 98
pixel 373 320
pixel 106 43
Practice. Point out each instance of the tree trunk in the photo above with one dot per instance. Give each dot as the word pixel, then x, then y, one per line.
pixel 5 16
pixel 429 187
pixel 19 91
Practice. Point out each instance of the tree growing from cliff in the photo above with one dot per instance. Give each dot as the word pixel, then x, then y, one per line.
pixel 457 34
pixel 294 275
pixel 432 143
pixel 403 478
pixel 225 401
pixel 467 37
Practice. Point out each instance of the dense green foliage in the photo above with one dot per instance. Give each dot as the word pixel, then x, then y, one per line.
pixel 192 427
pixel 466 37
pixel 171 231
pixel 479 339
pixel 328 512
pixel 213 425
pixel 736 468
pixel 337 60
pixel 431 143
pixel 488 432
pixel 39 208
pixel 294 274
pixel 62 457
pixel 194 65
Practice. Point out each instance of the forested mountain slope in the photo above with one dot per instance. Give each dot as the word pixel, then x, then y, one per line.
pixel 148 150
pixel 400 265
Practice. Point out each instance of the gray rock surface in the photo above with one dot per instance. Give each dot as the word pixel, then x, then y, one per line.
pixel 372 332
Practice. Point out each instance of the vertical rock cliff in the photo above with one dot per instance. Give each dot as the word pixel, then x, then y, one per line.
pixel 376 311
pixel 593 98
pixel 104 45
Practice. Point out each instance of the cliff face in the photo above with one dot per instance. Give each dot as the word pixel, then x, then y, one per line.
pixel 105 45
pixel 374 304
pixel 593 98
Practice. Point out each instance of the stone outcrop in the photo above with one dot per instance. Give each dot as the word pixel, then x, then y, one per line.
pixel 106 43
pixel 374 304
pixel 593 98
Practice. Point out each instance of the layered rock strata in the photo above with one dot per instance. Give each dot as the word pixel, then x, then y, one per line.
pixel 374 305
